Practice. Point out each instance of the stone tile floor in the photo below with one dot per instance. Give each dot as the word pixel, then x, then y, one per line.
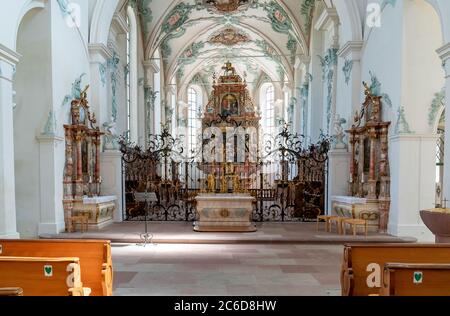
pixel 226 269
pixel 182 232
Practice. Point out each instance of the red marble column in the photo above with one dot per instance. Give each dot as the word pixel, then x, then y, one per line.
pixel 372 194
pixel 79 157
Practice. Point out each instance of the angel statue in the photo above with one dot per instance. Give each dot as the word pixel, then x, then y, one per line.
pixel 339 133
pixel 111 142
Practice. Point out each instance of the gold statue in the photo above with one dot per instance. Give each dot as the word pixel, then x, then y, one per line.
pixel 224 181
pixel 211 183
pixel 83 95
pixel 229 68
pixel 236 184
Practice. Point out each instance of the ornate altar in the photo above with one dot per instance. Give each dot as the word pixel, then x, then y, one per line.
pixel 231 114
pixel 233 124
pixel 233 179
pixel 82 180
pixel 369 164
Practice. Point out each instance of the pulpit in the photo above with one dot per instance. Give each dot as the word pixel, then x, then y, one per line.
pixel 82 180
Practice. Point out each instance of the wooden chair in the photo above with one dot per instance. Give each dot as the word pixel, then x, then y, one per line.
pixel 43 276
pixel 362 266
pixel 94 255
pixel 326 219
pixel 342 215
pixel 354 224
pixel 11 291
pixel 82 219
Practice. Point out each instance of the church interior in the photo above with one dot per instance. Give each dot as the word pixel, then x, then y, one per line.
pixel 224 147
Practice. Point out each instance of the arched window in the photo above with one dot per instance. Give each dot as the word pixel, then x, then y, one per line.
pixel 132 80
pixel 440 161
pixel 268 109
pixel 194 115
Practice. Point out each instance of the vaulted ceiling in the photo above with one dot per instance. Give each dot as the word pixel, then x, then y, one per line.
pixel 195 37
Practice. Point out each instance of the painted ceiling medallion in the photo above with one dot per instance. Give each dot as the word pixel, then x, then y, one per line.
pixel 227 6
pixel 229 37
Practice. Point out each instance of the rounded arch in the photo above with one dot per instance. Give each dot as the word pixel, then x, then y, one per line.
pixel 102 16
pixel 198 90
pixel 171 69
pixel 27 7
pixel 443 11
pixel 351 19
pixel 439 117
pixel 150 45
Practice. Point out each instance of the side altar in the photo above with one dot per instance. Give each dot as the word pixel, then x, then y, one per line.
pixel 369 174
pixel 82 180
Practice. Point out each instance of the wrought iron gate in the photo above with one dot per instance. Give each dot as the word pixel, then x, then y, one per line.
pixel 287 180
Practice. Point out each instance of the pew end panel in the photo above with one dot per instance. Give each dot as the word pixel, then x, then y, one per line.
pixel 39 276
pixel 362 265
pixel 95 258
pixel 400 279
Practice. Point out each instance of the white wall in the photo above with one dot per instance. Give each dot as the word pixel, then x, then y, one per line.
pixel 34 44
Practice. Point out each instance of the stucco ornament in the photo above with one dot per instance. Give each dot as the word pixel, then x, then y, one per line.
pixel 339 133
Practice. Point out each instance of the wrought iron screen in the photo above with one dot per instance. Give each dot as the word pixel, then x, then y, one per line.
pixel 287 179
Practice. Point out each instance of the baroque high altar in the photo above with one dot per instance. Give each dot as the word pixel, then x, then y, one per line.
pixel 231 110
pixel 225 204
pixel 369 184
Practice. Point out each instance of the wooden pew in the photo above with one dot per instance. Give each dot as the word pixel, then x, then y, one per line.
pixel 95 258
pixel 401 279
pixel 362 265
pixel 43 276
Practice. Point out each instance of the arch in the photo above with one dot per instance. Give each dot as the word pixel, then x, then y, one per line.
pixel 443 11
pixel 27 7
pixel 150 44
pixel 351 20
pixel 102 16
pixel 440 113
pixel 284 61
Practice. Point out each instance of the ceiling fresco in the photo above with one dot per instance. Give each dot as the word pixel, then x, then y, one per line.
pixel 260 37
pixel 229 36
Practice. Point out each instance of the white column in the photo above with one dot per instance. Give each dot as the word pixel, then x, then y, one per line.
pixel 99 55
pixel 8 224
pixel 112 179
pixel 297 87
pixel 51 210
pixel 338 173
pixel 133 77
pixel 351 51
pixel 444 53
pixel 413 181
pixel 150 68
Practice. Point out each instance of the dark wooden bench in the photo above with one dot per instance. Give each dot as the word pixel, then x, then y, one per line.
pixel 95 258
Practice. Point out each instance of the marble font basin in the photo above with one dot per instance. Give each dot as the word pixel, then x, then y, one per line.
pixel 438 222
